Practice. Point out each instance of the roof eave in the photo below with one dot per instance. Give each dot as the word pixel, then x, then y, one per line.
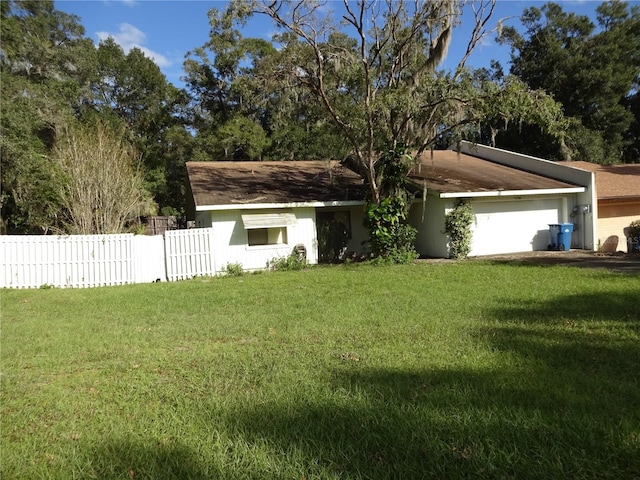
pixel 266 206
pixel 513 193
pixel 632 199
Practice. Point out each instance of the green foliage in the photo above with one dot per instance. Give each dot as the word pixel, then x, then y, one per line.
pixel 44 70
pixel 391 172
pixel 391 238
pixel 591 70
pixel 632 151
pixel 633 236
pixel 401 250
pixel 457 225
pixel 240 139
pixel 634 228
pixel 294 261
pixel 52 77
pixel 233 269
pixel 510 103
pixel 245 107
pixel 131 91
pixel 304 135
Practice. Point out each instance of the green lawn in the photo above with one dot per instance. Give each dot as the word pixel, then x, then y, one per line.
pixel 453 370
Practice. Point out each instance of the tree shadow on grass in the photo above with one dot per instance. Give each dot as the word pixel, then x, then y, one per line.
pixel 626 264
pixel 557 403
pixel 613 306
pixel 585 342
pixel 558 399
pixel 127 459
pixel 451 424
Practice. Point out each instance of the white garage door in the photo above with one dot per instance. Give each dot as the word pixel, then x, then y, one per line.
pixel 510 226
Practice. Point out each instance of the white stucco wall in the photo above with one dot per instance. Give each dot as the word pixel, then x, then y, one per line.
pixel 428 218
pixel 231 238
pixel 500 225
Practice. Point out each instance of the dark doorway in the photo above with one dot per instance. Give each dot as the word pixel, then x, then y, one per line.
pixel 334 232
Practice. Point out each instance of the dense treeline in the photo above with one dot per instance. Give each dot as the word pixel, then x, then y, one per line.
pixel 592 69
pixel 56 87
pixel 251 99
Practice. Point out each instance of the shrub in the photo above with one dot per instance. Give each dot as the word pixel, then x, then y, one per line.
pixel 233 269
pixel 391 239
pixel 292 262
pixel 633 236
pixel 457 225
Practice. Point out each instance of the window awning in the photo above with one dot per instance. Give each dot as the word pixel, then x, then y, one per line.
pixel 267 220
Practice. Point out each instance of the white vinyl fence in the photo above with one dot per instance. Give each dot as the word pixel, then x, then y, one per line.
pixel 188 253
pixel 31 261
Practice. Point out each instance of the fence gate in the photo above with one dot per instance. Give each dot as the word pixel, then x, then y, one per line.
pixel 189 253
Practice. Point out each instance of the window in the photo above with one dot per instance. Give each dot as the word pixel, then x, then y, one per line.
pixel 268 228
pixel 267 236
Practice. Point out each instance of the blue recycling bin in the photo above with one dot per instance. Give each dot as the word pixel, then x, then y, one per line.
pixel 560 234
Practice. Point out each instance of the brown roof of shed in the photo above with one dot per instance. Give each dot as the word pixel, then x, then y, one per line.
pixel 613 182
pixel 446 171
pixel 229 183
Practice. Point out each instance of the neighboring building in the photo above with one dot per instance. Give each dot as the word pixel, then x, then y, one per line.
pixel 618 193
pixel 262 210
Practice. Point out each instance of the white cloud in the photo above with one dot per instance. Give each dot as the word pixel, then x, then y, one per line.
pixel 129 37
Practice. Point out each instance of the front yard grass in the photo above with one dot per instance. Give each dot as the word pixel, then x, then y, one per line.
pixel 449 371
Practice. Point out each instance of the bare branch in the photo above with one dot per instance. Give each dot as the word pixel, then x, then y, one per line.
pixel 481 18
pixel 104 186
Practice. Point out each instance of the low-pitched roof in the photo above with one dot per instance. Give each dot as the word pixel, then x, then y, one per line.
pixel 613 182
pixel 250 183
pixel 450 174
pixel 456 174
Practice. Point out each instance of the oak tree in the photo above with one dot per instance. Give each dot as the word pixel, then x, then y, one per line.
pixel 375 68
pixel 46 66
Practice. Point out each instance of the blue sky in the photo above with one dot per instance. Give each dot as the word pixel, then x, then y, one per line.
pixel 165 30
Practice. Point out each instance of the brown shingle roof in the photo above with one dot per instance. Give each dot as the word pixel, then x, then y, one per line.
pixel 613 181
pixel 228 183
pixel 238 183
pixel 450 172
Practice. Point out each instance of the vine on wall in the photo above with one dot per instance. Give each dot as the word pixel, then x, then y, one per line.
pixel 392 239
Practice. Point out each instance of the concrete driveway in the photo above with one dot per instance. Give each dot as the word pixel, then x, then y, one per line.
pixel 621 262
